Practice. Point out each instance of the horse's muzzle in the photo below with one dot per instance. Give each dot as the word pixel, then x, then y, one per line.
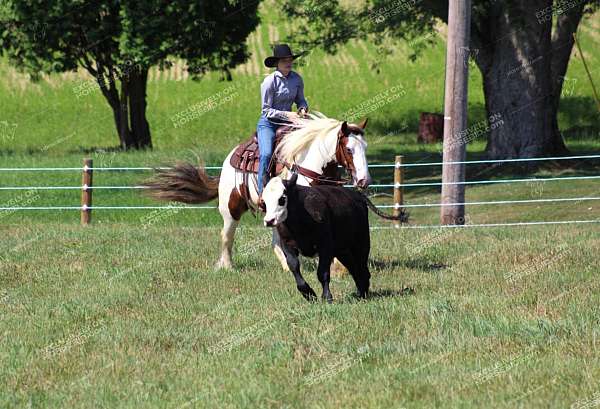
pixel 364 183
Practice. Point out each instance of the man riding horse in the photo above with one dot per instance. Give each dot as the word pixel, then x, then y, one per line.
pixel 278 91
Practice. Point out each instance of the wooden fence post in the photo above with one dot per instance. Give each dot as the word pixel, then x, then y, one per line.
pixel 86 192
pixel 398 193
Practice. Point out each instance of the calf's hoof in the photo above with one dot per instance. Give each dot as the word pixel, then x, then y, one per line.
pixel 362 293
pixel 328 298
pixel 307 292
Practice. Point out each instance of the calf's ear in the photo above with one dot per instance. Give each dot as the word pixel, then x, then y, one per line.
pixel 292 181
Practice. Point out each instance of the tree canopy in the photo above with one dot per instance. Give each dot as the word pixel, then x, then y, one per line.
pixel 117 41
pixel 521 47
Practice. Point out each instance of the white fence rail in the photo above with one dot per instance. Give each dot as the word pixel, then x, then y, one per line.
pixel 87 207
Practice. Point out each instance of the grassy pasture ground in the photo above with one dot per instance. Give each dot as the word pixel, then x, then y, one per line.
pixel 121 316
pixel 129 312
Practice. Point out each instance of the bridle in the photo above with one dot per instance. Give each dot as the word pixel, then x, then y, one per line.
pixel 342 157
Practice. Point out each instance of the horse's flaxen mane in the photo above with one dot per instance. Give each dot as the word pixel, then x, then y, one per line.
pixel 318 127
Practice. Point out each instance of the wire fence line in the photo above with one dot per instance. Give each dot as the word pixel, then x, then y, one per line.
pixel 381 165
pixel 396 185
pixel 479 182
pixel 472 162
pixel 496 202
pixel 465 226
pixel 84 207
pixel 388 165
pixel 395 206
pixel 80 168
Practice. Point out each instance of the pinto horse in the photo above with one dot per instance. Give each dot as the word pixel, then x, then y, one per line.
pixel 314 144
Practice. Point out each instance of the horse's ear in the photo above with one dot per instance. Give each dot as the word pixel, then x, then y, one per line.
pixel 345 128
pixel 363 123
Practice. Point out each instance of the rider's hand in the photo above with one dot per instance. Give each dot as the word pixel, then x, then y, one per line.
pixel 293 116
pixel 302 112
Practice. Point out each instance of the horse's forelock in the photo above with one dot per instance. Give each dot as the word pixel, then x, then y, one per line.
pixel 358 135
pixel 355 129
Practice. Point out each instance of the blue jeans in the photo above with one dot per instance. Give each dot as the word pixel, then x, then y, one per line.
pixel 266 137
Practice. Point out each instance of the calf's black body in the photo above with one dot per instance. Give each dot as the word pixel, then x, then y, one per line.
pixel 328 221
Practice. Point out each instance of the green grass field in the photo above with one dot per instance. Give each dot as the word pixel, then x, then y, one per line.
pixel 130 311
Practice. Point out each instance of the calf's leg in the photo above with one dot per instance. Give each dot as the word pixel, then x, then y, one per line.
pixel 324 275
pixel 325 251
pixel 363 275
pixel 293 263
pixel 358 269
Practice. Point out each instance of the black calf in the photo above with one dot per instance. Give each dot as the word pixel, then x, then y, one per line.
pixel 328 221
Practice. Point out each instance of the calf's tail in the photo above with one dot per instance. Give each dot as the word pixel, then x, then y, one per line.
pixel 402 217
pixel 183 183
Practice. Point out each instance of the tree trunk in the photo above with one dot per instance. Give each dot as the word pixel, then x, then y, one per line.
pixel 140 129
pixel 518 84
pixel 129 108
pixel 562 46
pixel 523 64
pixel 522 108
pixel 125 135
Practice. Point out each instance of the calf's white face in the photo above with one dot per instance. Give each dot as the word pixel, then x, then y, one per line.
pixel 275 201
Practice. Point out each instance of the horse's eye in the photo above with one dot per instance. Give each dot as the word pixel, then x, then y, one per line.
pixel 281 201
pixel 349 151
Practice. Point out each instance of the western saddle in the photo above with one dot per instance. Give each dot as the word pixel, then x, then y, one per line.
pixel 246 156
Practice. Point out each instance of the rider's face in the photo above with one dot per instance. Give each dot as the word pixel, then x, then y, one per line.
pixel 285 65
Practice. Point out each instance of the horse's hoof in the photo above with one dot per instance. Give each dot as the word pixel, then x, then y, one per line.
pixel 223 265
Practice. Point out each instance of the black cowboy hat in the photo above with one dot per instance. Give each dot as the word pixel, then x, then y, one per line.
pixel 280 51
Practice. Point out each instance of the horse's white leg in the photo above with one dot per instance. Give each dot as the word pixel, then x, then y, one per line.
pixel 231 207
pixel 338 269
pixel 227 236
pixel 279 251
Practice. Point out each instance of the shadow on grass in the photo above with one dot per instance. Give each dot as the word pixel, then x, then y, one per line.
pixel 408 120
pixel 579 116
pixel 352 298
pixel 424 265
pixel 386 292
pixel 97 149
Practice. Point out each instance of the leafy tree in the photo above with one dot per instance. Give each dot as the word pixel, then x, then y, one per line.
pixel 521 47
pixel 117 41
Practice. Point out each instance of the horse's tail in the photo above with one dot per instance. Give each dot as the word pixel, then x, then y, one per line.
pixel 402 217
pixel 183 183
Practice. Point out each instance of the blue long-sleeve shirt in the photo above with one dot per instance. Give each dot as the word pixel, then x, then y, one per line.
pixel 278 93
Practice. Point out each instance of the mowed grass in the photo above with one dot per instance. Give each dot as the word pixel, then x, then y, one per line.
pixel 124 316
pixel 130 312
